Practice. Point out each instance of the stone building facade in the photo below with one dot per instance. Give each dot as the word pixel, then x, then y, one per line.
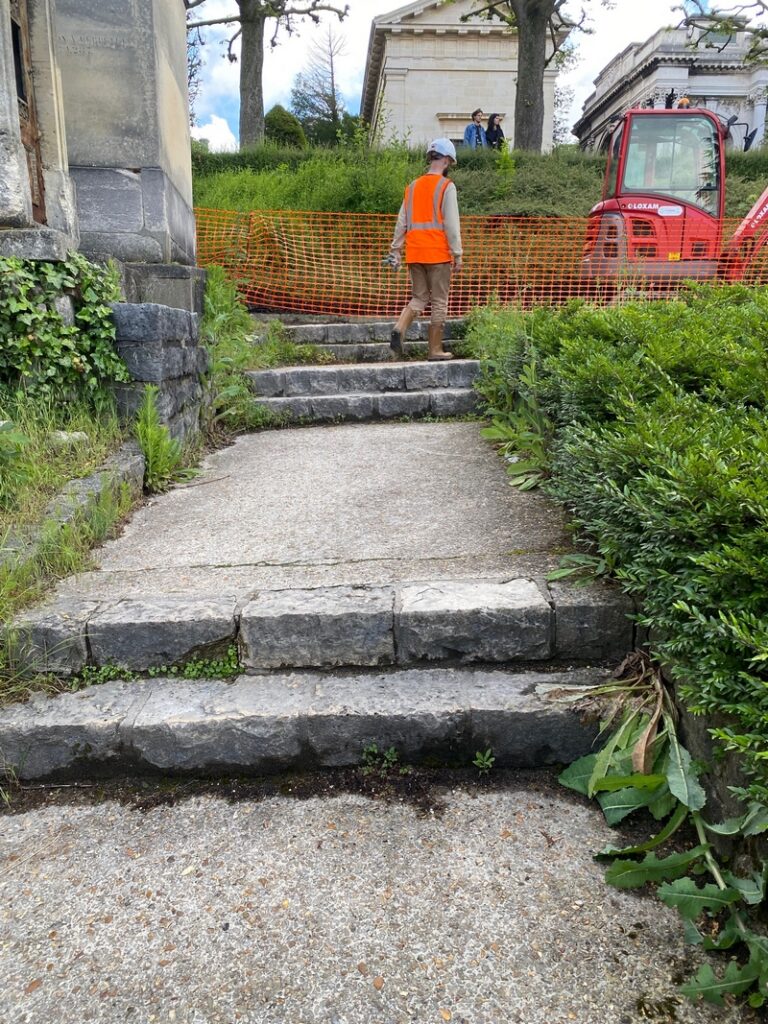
pixel 426 71
pixel 95 155
pixel 645 74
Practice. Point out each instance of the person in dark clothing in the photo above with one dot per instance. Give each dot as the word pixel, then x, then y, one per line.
pixel 494 134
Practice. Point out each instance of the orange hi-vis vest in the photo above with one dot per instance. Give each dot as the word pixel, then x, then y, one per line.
pixel 425 239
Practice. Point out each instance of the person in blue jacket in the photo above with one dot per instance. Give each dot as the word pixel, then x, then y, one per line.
pixel 474 133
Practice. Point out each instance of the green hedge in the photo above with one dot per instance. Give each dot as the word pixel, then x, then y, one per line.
pixel 357 179
pixel 652 421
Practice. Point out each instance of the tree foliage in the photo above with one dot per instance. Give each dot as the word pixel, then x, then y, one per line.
pixel 284 128
pixel 714 23
pixel 316 98
pixel 249 25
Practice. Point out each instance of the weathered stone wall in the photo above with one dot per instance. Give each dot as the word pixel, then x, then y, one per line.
pixel 123 65
pixel 20 234
pixel 161 345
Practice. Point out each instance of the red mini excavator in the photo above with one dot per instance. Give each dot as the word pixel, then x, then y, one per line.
pixel 661 216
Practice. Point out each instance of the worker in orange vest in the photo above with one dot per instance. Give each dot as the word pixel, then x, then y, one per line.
pixel 428 225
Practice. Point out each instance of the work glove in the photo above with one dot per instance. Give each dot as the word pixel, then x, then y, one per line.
pixel 393 260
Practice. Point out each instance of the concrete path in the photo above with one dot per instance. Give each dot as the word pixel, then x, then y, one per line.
pixel 333 910
pixel 363 503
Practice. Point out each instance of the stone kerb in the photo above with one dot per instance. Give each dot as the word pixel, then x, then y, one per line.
pixel 461 621
pixel 160 345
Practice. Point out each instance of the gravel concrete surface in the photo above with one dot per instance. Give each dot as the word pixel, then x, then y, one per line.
pixel 332 910
pixel 332 505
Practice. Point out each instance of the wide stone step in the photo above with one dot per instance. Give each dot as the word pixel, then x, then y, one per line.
pixel 299 721
pixel 295 381
pixel 349 334
pixel 362 408
pixel 376 351
pixel 454 621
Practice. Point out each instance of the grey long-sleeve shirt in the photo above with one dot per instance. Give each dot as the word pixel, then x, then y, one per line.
pixel 451 223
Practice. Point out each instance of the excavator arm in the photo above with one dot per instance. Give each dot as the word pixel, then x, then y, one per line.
pixel 748 239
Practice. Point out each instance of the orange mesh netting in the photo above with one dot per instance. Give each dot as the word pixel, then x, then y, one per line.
pixel 305 262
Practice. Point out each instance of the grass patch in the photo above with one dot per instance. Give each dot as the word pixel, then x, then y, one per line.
pixel 40 462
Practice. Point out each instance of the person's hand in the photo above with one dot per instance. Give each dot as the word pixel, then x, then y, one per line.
pixel 458 264
pixel 393 259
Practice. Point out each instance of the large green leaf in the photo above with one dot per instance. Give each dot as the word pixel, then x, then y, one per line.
pixel 752 889
pixel 711 988
pixel 663 803
pixel 753 823
pixel 671 827
pixel 617 806
pixel 577 775
pixel 625 874
pixel 613 782
pixel 618 742
pixel 690 900
pixel 727 937
pixel 681 776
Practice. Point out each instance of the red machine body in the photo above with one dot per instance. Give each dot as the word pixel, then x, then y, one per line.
pixel 661 215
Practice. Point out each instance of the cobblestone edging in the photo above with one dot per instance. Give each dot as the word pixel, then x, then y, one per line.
pixel 281 722
pixel 328 627
pixel 77 500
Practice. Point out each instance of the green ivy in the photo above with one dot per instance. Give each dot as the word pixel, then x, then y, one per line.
pixel 40 353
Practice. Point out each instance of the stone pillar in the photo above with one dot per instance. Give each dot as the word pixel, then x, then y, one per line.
pixel 15 197
pixel 123 65
pixel 55 231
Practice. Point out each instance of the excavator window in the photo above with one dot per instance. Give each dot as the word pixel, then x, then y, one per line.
pixel 613 162
pixel 675 157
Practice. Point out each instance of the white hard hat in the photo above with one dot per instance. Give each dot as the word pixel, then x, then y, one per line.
pixel 444 147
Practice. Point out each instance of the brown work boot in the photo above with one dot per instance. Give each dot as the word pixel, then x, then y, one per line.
pixel 397 338
pixel 436 350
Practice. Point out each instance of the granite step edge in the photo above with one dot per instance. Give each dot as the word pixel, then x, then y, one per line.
pixel 512 620
pixel 297 722
pixel 362 407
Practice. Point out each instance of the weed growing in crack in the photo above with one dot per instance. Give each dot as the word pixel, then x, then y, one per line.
pixel 484 761
pixel 382 763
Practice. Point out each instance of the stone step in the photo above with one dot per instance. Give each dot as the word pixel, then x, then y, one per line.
pixel 346 334
pixel 298 721
pixel 376 351
pixel 452 621
pixel 294 381
pixel 367 406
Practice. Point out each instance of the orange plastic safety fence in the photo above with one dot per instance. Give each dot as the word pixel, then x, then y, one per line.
pixel 306 262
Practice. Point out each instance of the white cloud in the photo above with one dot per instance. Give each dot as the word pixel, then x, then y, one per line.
pixel 217 133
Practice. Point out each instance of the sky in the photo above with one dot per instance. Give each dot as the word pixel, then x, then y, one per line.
pixel 217 105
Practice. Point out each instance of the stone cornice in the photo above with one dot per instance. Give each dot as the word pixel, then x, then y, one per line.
pixel 644 70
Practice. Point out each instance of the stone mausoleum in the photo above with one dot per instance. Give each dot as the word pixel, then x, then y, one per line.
pixel 95 156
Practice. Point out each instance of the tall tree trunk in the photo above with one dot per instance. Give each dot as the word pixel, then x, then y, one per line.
pixel 532 33
pixel 252 21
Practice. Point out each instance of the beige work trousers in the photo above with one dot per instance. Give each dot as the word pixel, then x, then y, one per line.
pixel 430 283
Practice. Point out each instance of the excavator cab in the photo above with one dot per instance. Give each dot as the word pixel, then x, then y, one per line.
pixel 661 215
